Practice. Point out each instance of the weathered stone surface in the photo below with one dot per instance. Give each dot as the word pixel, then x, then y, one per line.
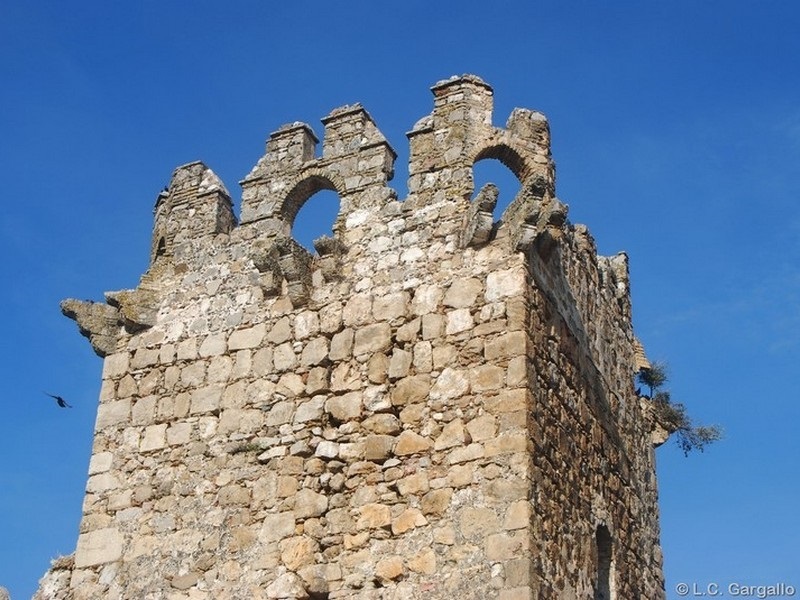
pixel 437 405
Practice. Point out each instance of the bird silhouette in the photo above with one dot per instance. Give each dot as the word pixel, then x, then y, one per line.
pixel 59 400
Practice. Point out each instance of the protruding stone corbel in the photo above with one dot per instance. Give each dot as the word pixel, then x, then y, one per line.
pixel 294 262
pixel 479 220
pixel 330 252
pixel 138 308
pixel 99 323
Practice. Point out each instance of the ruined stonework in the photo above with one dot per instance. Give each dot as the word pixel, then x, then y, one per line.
pixel 436 404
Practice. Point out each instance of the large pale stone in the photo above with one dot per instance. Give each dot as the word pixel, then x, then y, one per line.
pixel 409 442
pixel 504 283
pixel 345 408
pixel 451 383
pixel 98 547
pixel 411 390
pixel 372 338
pixel 374 516
pixel 308 503
pixel 298 552
pixel 462 293
pixel 247 338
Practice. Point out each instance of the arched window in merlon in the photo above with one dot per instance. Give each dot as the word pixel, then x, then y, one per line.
pixel 495 185
pixel 316 218
pixel 604 583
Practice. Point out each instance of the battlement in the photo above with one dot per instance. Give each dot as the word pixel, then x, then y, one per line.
pixel 437 403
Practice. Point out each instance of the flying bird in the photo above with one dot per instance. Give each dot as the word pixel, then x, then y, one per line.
pixel 59 400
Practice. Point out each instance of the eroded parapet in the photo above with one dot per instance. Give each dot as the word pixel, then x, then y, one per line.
pixel 459 132
pixel 356 163
pixel 195 204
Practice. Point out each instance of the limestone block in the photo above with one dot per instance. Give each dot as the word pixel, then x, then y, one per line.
pixel 358 310
pixel 143 411
pixel 98 547
pixel 280 413
pixel 389 568
pixel 187 349
pixel 378 447
pixel 407 520
pixel 290 385
pixel 315 352
pixel 476 522
pixel 297 552
pixel 116 365
pixel 377 368
pixel 342 345
pixel 372 338
pixel 261 363
pixel 286 586
pixel 144 357
pixel 482 428
pixel 408 332
pixel 306 324
pixel 382 423
pixel 451 383
pixel 390 306
pixel 345 377
pixel 506 443
pixel 345 408
pixel 436 502
pixel 504 283
pixel 247 338
pixel 206 399
pixel 486 377
pixel 100 462
pixel 463 293
pixel 399 364
pixel 154 438
pixel 469 453
pixel 426 299
pixel 317 381
pixel 505 546
pixel 518 515
pixel 415 484
pixel 432 326
pixel 213 345
pixel 310 410
pixel 411 390
pixel 509 345
pixel 459 476
pixel 409 442
pixel 179 434
pixel 374 516
pixel 284 358
pixel 327 449
pixel 459 320
pixel 276 526
pixel 423 562
pixel 281 331
pixel 308 503
pixel 453 434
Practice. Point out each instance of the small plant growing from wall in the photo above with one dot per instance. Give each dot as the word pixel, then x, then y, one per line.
pixel 672 415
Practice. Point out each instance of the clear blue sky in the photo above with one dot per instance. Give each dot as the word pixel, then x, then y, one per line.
pixel 676 131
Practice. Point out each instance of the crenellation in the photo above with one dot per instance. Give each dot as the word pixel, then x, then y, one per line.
pixel 436 403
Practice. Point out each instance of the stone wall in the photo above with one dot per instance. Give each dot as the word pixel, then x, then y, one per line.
pixel 438 403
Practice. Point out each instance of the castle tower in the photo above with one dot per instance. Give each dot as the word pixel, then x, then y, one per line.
pixel 437 404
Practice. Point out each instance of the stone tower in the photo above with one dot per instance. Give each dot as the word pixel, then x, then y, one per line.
pixel 436 404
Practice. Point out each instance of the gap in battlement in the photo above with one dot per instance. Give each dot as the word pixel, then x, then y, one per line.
pixel 316 218
pixel 491 170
